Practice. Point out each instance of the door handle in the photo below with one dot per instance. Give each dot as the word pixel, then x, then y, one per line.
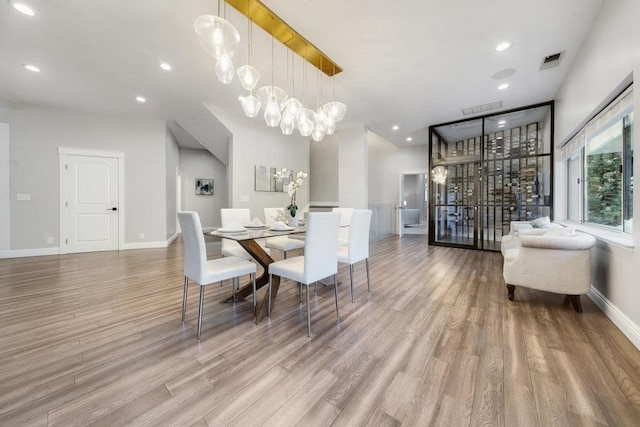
pixel 112 209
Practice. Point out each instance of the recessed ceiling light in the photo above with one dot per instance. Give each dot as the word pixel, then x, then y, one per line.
pixel 409 139
pixel 31 68
pixel 503 46
pixel 395 127
pixel 501 126
pixel 501 122
pixel 503 86
pixel 165 66
pixel 22 8
pixel 141 99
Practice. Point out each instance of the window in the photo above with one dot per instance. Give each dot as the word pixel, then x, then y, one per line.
pixel 602 153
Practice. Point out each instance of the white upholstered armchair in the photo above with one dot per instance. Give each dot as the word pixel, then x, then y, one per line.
pixel 558 261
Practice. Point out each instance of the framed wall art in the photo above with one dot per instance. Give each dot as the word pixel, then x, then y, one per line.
pixel 204 187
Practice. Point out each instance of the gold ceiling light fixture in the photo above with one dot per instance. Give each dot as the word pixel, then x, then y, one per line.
pixel 283 32
pixel 218 38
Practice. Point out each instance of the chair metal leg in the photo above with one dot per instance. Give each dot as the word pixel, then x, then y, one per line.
pixel 233 285
pixel 200 311
pixel 335 291
pixel 285 254
pixel 366 262
pixel 351 275
pixel 308 314
pixel 316 288
pixel 269 296
pixel 300 292
pixel 184 297
pixel 255 298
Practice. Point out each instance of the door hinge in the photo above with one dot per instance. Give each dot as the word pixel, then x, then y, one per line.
pixel 66 204
pixel 66 241
pixel 66 167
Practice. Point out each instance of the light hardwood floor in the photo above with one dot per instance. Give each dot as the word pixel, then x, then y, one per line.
pixel 97 339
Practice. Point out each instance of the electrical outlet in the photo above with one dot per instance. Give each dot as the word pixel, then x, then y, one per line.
pixel 49 240
pixel 141 236
pixel 244 199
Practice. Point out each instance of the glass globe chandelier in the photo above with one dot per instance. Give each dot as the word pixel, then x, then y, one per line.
pixel 218 37
pixel 224 68
pixel 250 105
pixel 291 109
pixel 288 123
pixel 318 130
pixel 439 174
pixel 273 98
pixel 334 109
pixel 306 121
pixel 247 74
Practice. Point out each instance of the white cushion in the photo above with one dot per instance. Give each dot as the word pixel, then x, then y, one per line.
pixel 227 268
pixel 284 243
pixel 541 222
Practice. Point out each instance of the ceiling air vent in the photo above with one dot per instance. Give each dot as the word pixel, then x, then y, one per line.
pixel 551 61
pixel 482 108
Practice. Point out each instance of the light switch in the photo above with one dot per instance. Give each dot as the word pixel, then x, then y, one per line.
pixel 244 199
pixel 24 196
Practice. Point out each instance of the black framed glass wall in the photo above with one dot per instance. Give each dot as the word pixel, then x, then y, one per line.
pixel 488 171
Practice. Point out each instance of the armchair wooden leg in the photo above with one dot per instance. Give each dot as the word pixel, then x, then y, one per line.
pixel 511 290
pixel 575 302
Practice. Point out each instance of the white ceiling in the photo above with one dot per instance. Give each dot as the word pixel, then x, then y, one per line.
pixel 411 63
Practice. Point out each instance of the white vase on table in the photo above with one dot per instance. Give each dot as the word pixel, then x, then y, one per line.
pixel 293 220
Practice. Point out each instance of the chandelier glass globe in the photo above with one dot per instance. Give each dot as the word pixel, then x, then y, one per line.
pixel 216 35
pixel 251 105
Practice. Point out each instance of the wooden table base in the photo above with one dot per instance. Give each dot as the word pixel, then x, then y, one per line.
pixel 263 258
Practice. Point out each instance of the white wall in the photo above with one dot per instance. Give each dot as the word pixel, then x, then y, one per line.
pixel 353 164
pixel 324 188
pixel 386 160
pixel 5 199
pixel 195 164
pixel 172 163
pixel 253 143
pixel 607 57
pixel 36 134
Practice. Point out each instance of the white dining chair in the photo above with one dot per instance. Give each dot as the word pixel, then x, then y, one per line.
pixel 357 249
pixel 282 243
pixel 320 258
pixel 205 272
pixel 230 247
pixel 345 222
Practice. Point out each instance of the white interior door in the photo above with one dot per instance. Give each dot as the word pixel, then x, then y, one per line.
pixel 402 206
pixel 91 206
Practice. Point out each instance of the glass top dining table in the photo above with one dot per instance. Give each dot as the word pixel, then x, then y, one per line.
pixel 247 239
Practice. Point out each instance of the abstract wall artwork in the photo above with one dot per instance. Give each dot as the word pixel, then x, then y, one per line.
pixel 204 187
